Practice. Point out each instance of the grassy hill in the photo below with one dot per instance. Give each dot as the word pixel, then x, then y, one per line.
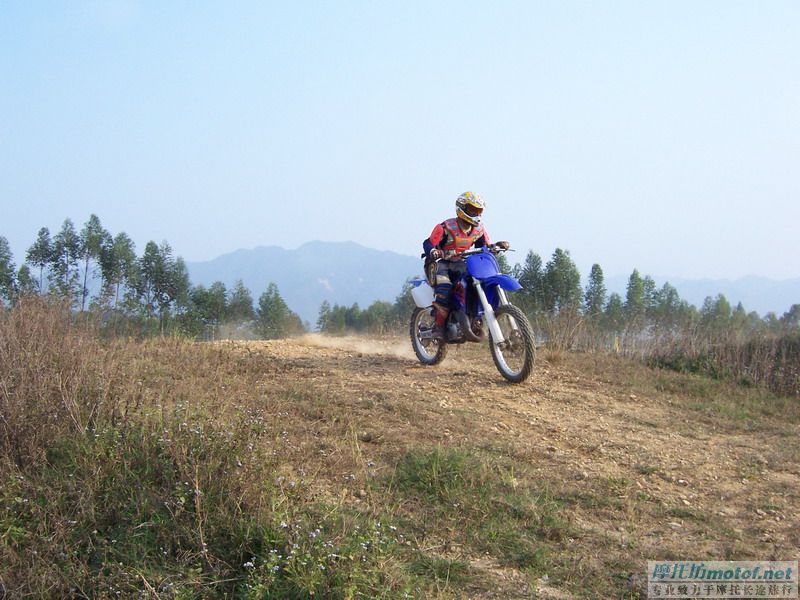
pixel 341 468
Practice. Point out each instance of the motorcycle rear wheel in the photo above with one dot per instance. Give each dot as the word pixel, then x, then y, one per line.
pixel 515 356
pixel 429 351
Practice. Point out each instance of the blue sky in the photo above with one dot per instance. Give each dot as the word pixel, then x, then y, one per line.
pixel 663 136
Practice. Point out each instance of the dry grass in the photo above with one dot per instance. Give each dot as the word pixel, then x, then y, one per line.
pixel 342 468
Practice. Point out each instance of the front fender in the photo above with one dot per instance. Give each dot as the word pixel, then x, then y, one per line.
pixel 506 282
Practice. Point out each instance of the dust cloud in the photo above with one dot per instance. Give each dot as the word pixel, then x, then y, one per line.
pixel 398 347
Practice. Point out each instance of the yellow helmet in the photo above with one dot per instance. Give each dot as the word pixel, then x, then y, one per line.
pixel 469 207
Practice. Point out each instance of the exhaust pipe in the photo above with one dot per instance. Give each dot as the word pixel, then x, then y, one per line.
pixel 467 329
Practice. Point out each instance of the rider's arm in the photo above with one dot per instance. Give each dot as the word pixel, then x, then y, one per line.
pixel 436 237
pixel 482 241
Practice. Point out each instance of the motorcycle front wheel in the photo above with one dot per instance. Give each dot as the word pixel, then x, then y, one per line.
pixel 513 357
pixel 429 351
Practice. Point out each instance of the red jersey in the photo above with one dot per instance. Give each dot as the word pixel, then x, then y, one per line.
pixel 452 239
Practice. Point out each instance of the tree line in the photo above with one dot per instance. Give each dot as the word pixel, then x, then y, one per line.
pixel 93 270
pixel 568 313
pixel 646 311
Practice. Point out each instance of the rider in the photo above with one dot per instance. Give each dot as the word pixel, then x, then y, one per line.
pixel 448 238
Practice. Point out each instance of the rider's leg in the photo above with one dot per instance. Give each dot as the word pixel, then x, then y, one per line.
pixel 441 302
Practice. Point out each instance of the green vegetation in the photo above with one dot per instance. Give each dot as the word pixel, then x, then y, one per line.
pixel 481 505
pixel 145 295
pixel 152 294
pixel 167 468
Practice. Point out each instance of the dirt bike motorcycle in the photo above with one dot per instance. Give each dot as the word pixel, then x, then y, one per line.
pixel 487 312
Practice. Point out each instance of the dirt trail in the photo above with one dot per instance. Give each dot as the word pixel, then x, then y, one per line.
pixel 646 473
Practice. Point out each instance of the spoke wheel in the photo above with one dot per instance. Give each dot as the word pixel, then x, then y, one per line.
pixel 428 350
pixel 514 356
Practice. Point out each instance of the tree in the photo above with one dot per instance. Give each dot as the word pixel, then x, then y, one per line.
pixel 217 303
pixel 715 315
pixel 353 317
pixel 64 260
pixel 336 318
pixel 502 263
pixel 649 295
pixel 772 323
pixel 635 305
pixel 274 319
pixel 90 247
pixel 404 304
pixel 666 308
pixel 118 264
pixel 531 278
pixel 614 314
pixel 206 309
pixel 739 321
pixel 324 316
pixel 791 318
pixel 178 284
pixel 378 317
pixel 40 254
pixel 161 281
pixel 562 283
pixel 7 272
pixel 150 269
pixel 26 284
pixel 240 304
pixel 595 297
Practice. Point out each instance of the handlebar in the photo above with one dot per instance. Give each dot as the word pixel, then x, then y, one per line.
pixel 493 248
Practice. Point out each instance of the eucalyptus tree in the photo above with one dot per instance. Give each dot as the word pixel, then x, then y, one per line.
pixel 562 283
pixel 274 318
pixel 614 314
pixel 93 238
pixel 402 308
pixel 161 281
pixel 206 309
pixel 40 254
pixel 503 264
pixel 666 309
pixel 649 296
pixel 240 304
pixel 324 316
pixel 178 284
pixel 635 304
pixel 595 297
pixel 791 318
pixel 716 314
pixel 217 303
pixel 26 284
pixel 377 318
pixel 531 278
pixel 64 260
pixel 118 264
pixel 7 272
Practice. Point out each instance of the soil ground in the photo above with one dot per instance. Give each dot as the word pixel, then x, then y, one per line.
pixel 647 465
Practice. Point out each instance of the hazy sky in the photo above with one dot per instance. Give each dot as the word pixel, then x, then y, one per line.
pixel 658 135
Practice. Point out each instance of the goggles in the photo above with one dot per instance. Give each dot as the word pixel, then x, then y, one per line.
pixel 473 211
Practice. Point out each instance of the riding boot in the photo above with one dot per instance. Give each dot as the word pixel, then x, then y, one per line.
pixel 438 331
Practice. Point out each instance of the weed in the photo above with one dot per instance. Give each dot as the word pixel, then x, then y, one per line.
pixel 487 511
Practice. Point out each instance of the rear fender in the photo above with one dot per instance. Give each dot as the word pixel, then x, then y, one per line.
pixel 422 293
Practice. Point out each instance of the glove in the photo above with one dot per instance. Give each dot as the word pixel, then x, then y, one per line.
pixel 503 245
pixel 436 254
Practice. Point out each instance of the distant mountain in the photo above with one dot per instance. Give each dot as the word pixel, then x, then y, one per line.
pixel 759 294
pixel 342 273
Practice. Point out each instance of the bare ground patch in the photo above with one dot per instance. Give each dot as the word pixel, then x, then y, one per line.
pixel 643 465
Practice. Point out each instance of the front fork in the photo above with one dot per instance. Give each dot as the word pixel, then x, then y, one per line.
pixel 488 311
